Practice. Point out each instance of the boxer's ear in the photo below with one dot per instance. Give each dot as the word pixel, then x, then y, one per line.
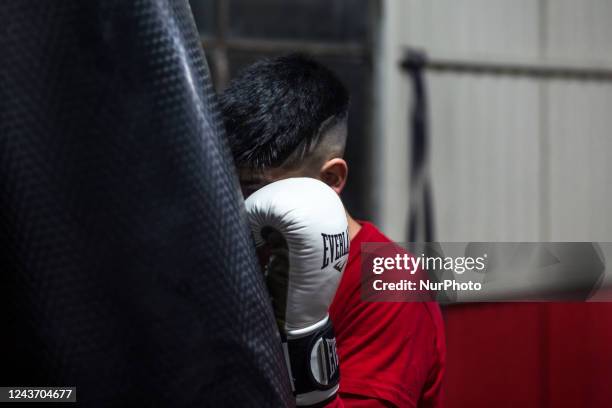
pixel 334 173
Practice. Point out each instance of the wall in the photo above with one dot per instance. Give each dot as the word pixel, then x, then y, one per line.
pixel 512 159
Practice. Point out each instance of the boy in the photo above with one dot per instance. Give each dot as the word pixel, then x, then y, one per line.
pixel 287 117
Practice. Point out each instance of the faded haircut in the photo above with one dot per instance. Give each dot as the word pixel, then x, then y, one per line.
pixel 277 111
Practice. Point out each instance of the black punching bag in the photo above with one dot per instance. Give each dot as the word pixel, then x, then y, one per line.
pixel 126 265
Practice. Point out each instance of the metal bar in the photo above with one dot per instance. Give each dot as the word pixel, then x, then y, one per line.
pixel 416 59
pixel 220 57
pixel 274 46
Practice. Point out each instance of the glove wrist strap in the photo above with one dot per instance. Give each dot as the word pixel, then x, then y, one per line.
pixel 313 362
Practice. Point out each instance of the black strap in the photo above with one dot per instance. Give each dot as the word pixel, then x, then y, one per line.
pixel 327 369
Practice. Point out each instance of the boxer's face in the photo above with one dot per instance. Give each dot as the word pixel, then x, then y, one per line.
pixel 324 163
pixel 252 180
pixel 333 172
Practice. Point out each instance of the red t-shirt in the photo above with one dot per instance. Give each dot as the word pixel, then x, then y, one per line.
pixel 391 353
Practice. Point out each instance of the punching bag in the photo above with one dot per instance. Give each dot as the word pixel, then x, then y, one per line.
pixel 126 266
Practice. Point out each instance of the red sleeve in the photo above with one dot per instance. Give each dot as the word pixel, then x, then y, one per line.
pixel 336 403
pixel 357 401
pixel 391 353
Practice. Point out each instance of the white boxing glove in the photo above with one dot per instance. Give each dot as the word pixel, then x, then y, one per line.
pixel 301 232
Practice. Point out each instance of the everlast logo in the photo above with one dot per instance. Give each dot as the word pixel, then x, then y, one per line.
pixel 327 362
pixel 332 357
pixel 335 247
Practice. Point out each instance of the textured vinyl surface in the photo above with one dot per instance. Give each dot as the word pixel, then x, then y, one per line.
pixel 126 265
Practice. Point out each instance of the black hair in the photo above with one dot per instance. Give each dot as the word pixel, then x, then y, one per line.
pixel 276 108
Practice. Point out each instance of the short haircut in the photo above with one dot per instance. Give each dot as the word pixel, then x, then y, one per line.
pixel 277 110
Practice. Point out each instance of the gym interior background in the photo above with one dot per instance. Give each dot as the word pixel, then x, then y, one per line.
pixel 519 136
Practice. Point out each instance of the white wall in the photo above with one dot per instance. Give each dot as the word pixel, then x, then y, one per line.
pixel 512 158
